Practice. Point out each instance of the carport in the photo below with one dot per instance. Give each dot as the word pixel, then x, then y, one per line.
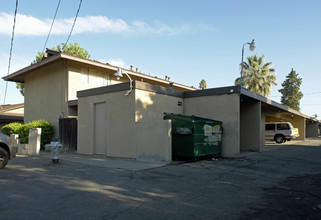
pixel 256 110
pixel 243 114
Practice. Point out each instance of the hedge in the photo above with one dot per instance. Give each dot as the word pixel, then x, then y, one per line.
pixel 23 130
pixel 11 128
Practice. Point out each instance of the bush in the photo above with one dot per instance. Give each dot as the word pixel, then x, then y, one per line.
pixel 11 128
pixel 23 130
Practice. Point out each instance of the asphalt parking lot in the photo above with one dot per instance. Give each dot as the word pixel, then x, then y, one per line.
pixel 281 182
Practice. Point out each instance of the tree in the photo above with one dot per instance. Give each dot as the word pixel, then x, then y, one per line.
pixel 203 84
pixel 21 87
pixel 291 94
pixel 258 76
pixel 73 49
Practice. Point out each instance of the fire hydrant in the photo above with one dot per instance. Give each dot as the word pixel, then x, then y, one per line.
pixel 55 148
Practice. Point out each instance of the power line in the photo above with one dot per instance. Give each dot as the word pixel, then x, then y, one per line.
pixel 311 93
pixel 72 28
pixel 12 37
pixel 44 47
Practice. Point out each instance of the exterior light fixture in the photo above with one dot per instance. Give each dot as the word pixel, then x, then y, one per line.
pixel 119 74
pixel 252 45
pixel 252 48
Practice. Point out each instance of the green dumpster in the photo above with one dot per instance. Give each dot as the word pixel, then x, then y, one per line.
pixel 194 137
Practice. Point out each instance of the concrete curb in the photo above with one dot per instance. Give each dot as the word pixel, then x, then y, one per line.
pixel 103 161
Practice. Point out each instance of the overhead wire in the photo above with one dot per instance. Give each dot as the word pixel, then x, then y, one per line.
pixel 53 20
pixel 73 25
pixel 311 93
pixel 10 54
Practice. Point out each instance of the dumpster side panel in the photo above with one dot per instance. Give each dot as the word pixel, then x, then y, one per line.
pixel 182 146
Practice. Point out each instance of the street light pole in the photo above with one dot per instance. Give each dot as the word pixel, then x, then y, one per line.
pixel 252 48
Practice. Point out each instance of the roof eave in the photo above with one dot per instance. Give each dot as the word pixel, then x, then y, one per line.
pixel 13 77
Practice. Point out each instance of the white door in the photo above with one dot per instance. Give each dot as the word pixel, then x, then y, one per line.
pixel 100 129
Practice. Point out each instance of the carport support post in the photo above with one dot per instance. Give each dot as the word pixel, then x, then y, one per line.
pixel 251 126
pixel 312 129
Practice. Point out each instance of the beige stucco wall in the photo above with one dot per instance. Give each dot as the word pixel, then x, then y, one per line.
pixel 152 132
pixel 120 124
pixel 151 106
pixel 48 90
pixel 148 138
pixel 154 140
pixel 46 94
pixel 225 108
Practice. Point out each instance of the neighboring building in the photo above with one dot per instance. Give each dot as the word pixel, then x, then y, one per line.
pixel 51 85
pixel 11 113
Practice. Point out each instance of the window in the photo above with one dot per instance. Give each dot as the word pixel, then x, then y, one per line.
pixel 283 126
pixel 269 127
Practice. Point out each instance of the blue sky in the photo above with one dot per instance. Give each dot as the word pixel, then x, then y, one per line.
pixel 188 40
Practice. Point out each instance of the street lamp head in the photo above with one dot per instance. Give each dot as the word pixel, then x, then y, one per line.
pixel 252 45
pixel 118 74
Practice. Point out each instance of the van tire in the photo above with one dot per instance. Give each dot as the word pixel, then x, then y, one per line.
pixel 279 138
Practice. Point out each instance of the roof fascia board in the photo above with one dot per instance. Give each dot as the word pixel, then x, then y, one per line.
pixel 158 89
pixel 271 102
pixel 32 67
pixel 104 89
pixel 125 86
pixel 215 91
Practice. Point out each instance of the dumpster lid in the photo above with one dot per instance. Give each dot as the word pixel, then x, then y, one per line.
pixel 192 118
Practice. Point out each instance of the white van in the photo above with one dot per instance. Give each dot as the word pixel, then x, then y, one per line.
pixel 280 131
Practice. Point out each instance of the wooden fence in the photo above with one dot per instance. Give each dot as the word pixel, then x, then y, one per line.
pixel 68 133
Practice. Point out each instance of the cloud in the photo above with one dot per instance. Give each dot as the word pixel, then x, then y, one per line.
pixel 17 62
pixel 27 25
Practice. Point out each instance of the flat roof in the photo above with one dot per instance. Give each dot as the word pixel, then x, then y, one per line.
pixel 267 104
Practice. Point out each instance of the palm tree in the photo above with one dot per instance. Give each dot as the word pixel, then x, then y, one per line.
pixel 258 76
pixel 203 84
